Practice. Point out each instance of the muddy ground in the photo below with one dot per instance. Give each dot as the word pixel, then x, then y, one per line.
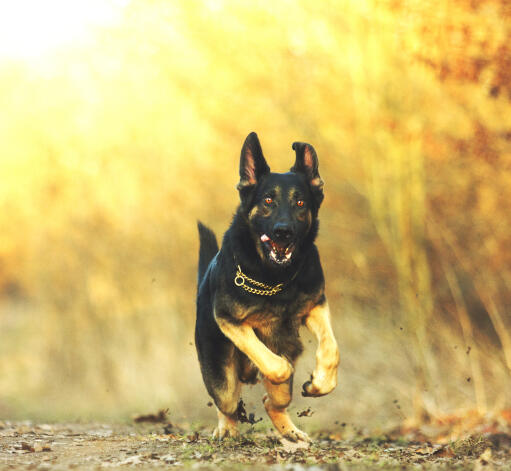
pixel 159 445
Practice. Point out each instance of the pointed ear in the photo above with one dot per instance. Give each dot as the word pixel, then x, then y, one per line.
pixel 307 164
pixel 252 163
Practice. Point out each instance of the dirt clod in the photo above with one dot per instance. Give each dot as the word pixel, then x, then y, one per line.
pixel 159 417
pixel 305 413
pixel 242 416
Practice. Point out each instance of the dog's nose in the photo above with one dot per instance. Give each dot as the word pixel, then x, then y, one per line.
pixel 282 231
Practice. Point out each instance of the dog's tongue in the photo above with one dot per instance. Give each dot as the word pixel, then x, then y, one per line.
pixel 280 249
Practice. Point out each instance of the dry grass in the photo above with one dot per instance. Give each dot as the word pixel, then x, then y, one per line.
pixel 110 153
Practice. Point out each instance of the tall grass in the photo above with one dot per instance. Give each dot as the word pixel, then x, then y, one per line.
pixel 110 153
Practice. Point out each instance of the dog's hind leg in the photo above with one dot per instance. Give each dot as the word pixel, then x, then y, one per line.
pixel 276 401
pixel 226 396
pixel 227 426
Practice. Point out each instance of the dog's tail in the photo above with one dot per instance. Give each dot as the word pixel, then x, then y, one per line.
pixel 207 250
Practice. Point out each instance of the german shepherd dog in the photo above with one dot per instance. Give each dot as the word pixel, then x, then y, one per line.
pixel 264 283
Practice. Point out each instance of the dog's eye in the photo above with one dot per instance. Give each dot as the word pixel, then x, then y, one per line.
pixel 268 200
pixel 300 203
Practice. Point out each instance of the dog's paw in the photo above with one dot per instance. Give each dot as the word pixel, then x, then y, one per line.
pixel 227 427
pixel 222 432
pixel 296 435
pixel 282 371
pixel 315 388
pixel 324 377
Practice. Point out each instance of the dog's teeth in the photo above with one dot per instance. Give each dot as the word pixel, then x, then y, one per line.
pixel 280 259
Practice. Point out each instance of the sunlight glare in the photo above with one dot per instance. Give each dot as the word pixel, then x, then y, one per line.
pixel 32 28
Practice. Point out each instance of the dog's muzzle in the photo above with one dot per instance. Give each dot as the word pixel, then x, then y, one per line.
pixel 280 251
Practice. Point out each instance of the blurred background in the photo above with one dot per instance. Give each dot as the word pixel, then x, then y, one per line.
pixel 121 124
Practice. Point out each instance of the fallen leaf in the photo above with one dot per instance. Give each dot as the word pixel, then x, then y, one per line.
pixel 170 459
pixel 292 447
pixel 27 447
pixel 424 451
pixel 444 452
pixel 137 459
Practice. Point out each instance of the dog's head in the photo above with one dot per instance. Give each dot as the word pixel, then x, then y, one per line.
pixel 281 208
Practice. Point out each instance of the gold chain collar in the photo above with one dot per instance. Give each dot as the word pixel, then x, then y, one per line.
pixel 241 280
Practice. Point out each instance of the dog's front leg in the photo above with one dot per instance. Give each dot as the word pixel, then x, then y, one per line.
pixel 324 377
pixel 272 366
pixel 276 401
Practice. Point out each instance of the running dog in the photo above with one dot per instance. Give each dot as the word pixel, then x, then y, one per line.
pixel 260 287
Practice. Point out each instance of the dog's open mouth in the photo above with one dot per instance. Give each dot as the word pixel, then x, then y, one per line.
pixel 280 253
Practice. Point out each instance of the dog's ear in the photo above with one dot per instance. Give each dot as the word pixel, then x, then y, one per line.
pixel 307 164
pixel 252 163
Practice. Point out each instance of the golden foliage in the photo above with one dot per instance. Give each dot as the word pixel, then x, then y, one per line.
pixel 110 152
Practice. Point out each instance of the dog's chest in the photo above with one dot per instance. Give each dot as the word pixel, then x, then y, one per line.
pixel 276 316
pixel 279 331
pixel 271 323
pixel 278 325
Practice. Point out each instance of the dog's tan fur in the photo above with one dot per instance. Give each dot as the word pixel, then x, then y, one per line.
pixel 324 377
pixel 277 371
pixel 272 366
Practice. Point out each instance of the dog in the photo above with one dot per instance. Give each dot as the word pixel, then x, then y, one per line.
pixel 260 287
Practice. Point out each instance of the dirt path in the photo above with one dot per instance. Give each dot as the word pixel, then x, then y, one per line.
pixel 97 446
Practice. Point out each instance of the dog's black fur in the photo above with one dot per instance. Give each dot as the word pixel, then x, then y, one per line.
pixel 287 223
